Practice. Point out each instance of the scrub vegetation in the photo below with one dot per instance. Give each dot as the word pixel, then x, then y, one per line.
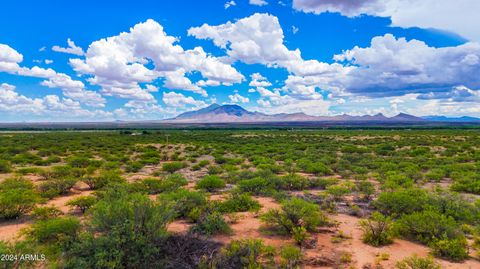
pixel 241 198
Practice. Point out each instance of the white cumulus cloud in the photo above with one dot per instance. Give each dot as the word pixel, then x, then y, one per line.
pixel 258 2
pixel 9 63
pixel 237 98
pixel 455 16
pixel 119 64
pixel 71 49
pixel 395 66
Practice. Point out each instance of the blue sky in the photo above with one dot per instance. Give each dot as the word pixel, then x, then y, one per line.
pixel 143 59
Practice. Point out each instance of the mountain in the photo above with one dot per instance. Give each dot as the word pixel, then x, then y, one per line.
pixel 236 114
pixel 402 117
pixel 216 113
pixel 452 119
pixel 194 113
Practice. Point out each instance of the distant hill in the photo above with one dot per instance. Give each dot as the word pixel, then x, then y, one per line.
pixel 236 114
pixel 452 119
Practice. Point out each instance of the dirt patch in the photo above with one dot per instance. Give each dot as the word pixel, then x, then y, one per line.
pixel 363 254
pixel 10 230
pixel 179 226
pixel 60 202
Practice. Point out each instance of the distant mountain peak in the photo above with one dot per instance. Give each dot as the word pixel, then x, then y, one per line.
pixel 232 113
pixel 406 117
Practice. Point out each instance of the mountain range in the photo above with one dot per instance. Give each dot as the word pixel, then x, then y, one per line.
pixel 236 114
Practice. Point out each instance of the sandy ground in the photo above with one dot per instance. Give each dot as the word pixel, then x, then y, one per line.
pixel 249 225
pixel 363 254
pixel 11 230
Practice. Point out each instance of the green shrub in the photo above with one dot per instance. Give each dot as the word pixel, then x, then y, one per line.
pixel 150 157
pixel 292 183
pixel 299 234
pixel 317 168
pixel 79 162
pixel 173 166
pixel 17 197
pixel 415 262
pixel 29 170
pixel 215 170
pixel 46 212
pixel 455 249
pixel 200 165
pixel 126 231
pixel 295 213
pixel 255 186
pixel 239 203
pixel 167 184
pixel 467 183
pixel 210 183
pixel 366 189
pixel 211 224
pixel 427 226
pixel 247 253
pixel 56 187
pixel 26 158
pixel 377 230
pixel 403 201
pixel 337 191
pixel 104 179
pixel 59 171
pixel 132 167
pixel 435 174
pixel 184 201
pixel 291 257
pixel 270 167
pixel 5 166
pixel 395 180
pixel 322 183
pixel 16 183
pixel 83 203
pixel 55 230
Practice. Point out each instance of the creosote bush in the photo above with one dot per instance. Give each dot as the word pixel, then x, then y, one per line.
pixel 210 183
pixel 184 201
pixel 83 203
pixel 46 212
pixel 17 197
pixel 294 212
pixel 211 223
pixel 415 262
pixel 173 166
pixel 248 253
pixel 55 230
pixel 239 203
pixel 377 230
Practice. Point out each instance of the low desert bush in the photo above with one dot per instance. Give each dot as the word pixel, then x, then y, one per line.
pixel 377 230
pixel 210 183
pixel 294 213
pixel 83 203
pixel 415 262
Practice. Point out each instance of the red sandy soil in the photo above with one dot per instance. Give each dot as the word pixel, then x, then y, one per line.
pixel 5 176
pixel 10 230
pixel 249 225
pixel 363 254
pixel 60 202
